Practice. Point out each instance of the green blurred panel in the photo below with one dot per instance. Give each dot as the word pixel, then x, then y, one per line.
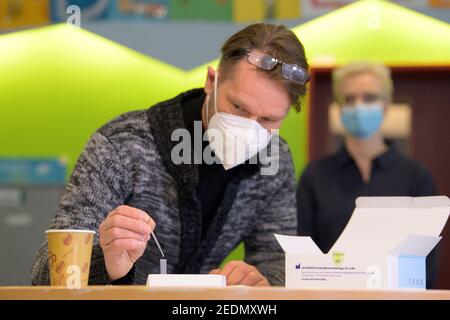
pixel 59 84
pixel 378 31
pixel 197 76
pixel 237 254
pixel 294 130
pixel 201 10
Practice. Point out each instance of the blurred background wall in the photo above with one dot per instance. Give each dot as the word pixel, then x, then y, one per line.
pixel 184 33
pixel 59 83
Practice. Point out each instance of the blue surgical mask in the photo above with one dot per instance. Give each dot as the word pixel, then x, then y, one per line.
pixel 362 120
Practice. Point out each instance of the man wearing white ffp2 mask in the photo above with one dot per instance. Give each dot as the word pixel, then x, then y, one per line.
pixel 234 139
pixel 247 99
pixel 203 211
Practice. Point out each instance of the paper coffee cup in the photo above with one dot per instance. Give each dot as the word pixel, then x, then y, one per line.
pixel 69 257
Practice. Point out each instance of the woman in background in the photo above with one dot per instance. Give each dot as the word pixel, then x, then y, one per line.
pixel 365 165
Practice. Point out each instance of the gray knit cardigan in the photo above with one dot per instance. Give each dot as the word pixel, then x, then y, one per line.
pixel 127 161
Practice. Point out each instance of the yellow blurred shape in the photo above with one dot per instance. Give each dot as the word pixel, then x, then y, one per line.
pixel 287 9
pixel 15 14
pixel 249 10
pixel 439 3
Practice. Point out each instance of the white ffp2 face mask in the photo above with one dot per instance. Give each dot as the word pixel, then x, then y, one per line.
pixel 234 139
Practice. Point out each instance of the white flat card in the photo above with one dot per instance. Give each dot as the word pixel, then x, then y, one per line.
pixel 187 280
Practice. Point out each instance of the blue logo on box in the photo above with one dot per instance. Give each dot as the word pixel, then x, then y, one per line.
pixel 298 266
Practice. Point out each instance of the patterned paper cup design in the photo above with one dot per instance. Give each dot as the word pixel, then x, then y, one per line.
pixel 67 240
pixel 69 257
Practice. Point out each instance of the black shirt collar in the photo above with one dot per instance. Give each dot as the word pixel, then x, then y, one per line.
pixel 385 160
pixel 192 109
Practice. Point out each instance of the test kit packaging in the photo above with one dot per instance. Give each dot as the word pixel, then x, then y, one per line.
pixel 383 246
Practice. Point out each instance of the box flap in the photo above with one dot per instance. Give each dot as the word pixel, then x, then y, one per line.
pixel 379 224
pixel 402 202
pixel 416 245
pixel 298 245
pixel 436 201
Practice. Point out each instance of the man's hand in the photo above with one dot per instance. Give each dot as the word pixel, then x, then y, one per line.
pixel 123 238
pixel 239 272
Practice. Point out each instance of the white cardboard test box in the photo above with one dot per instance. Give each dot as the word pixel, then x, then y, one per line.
pixel 383 246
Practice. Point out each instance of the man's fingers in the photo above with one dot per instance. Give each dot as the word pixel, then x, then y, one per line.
pixel 215 271
pixel 253 278
pixel 124 222
pixel 235 271
pixel 120 245
pixel 237 275
pixel 229 267
pixel 133 213
pixel 262 283
pixel 239 272
pixel 116 233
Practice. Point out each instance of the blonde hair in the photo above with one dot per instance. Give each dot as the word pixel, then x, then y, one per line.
pixel 363 67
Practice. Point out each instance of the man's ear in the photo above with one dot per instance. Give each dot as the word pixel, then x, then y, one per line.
pixel 209 83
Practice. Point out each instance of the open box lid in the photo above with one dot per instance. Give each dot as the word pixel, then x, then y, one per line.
pixel 415 245
pixel 381 225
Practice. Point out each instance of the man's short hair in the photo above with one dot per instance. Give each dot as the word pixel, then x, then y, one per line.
pixel 378 70
pixel 276 41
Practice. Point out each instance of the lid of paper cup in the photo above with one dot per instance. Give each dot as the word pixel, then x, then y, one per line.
pixel 69 230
